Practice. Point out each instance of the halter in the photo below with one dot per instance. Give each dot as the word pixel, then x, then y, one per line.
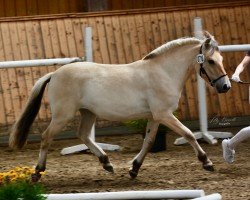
pixel 201 60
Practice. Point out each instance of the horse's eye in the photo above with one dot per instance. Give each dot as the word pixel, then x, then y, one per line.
pixel 211 62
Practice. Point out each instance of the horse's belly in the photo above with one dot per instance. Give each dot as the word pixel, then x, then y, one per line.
pixel 128 116
pixel 118 110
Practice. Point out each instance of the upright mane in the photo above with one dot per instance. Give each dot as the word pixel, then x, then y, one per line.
pixel 171 45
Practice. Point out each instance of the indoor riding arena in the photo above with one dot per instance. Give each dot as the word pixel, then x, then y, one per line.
pixel 141 108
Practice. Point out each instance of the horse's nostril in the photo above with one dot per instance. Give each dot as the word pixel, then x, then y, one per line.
pixel 226 87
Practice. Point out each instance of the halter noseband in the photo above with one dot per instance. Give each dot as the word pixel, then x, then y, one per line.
pixel 201 60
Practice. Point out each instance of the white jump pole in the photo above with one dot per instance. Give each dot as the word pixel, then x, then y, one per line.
pixel 215 196
pixel 203 133
pixel 39 62
pixel 235 47
pixel 125 195
pixel 89 58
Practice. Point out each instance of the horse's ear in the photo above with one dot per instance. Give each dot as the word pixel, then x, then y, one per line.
pixel 210 43
pixel 207 43
pixel 207 34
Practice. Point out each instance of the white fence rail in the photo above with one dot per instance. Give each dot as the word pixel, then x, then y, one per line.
pixel 39 62
pixel 236 47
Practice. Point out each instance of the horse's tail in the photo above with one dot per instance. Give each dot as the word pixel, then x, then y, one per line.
pixel 20 130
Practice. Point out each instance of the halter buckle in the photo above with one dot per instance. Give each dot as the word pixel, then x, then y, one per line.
pixel 200 58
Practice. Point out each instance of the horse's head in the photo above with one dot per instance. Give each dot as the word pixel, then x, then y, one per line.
pixel 210 64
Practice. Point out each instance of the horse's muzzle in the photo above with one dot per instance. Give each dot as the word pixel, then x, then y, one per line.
pixel 224 88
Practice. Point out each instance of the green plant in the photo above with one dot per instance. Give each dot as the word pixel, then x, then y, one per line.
pixel 16 184
pixel 141 124
pixel 21 190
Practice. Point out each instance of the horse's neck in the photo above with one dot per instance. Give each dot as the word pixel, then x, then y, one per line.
pixel 180 63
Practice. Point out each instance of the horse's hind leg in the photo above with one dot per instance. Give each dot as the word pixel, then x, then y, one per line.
pixel 172 122
pixel 56 125
pixel 151 131
pixel 84 131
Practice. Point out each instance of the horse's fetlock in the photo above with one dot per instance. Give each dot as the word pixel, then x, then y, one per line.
pixel 203 157
pixel 35 177
pixel 132 173
pixel 108 167
pixel 40 169
pixel 104 159
pixel 136 165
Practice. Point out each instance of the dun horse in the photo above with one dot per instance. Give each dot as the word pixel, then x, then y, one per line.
pixel 148 88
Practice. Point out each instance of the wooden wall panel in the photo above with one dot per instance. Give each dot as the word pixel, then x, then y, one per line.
pixel 138 4
pixel 119 38
pixel 10 8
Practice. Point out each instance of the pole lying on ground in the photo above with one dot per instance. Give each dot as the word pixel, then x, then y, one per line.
pixel 215 196
pixel 125 195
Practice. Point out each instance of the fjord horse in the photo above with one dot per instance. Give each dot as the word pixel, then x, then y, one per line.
pixel 148 88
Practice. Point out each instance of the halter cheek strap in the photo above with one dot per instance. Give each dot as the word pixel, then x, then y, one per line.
pixel 201 59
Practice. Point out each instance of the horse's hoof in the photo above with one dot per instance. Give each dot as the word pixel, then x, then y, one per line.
pixel 35 177
pixel 108 167
pixel 208 168
pixel 133 174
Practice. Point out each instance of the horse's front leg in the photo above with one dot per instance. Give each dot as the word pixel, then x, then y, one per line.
pixel 151 131
pixel 172 122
